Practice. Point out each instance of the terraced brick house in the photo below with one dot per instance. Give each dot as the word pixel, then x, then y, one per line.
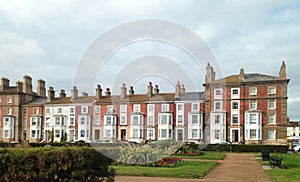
pixel 15 125
pixel 246 108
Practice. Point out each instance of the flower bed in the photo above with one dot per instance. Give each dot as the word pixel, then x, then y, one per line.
pixel 168 162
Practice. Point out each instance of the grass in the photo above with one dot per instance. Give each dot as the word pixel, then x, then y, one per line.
pixel 188 169
pixel 206 155
pixel 290 171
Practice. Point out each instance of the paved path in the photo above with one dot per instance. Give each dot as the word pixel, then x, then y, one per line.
pixel 234 168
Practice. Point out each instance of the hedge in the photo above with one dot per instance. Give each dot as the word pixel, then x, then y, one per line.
pixel 247 148
pixel 54 164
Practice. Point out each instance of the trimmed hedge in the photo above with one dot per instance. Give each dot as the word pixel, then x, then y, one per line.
pixel 54 164
pixel 247 148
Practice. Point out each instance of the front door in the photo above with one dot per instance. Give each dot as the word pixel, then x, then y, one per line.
pixel 123 134
pixel 180 135
pixel 71 139
pixel 235 135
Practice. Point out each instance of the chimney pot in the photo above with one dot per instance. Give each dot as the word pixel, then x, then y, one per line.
pixel 156 90
pixel 150 90
pixel 98 92
pixel 107 92
pixel 41 89
pixel 62 93
pixel 74 91
pixel 123 91
pixel 131 91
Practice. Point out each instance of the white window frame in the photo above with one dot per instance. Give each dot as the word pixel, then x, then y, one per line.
pixel 169 119
pixel 9 100
pixel 218 93
pixel 123 108
pixel 97 109
pixel 97 121
pixel 137 108
pixel 165 108
pixel 150 108
pixel 197 106
pixel 233 104
pixel 253 103
pixel 235 95
pixel 112 120
pixel 72 111
pixel 270 102
pixel 232 120
pixel 59 110
pixel 273 119
pixel 274 134
pixel 215 105
pixel 9 111
pixel 110 109
pixel 84 109
pixel 179 107
pixel 72 121
pixel 271 90
pixel 252 89
pixel 180 122
pixel 148 120
pixel 151 130
pixel 139 120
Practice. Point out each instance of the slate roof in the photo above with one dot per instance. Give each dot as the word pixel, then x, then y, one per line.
pixel 188 96
pixel 36 101
pixel 161 97
pixel 248 78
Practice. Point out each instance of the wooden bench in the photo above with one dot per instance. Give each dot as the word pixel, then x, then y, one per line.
pixel 276 161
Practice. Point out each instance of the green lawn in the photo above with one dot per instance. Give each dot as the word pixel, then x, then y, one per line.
pixel 290 171
pixel 188 169
pixel 206 155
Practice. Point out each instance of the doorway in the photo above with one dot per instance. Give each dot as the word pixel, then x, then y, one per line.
pixel 180 135
pixel 123 134
pixel 235 135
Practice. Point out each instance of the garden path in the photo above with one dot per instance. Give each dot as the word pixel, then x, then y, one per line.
pixel 235 167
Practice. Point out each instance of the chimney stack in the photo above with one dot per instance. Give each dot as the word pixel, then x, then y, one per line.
pixel 84 94
pixel 123 91
pixel 19 85
pixel 27 84
pixel 150 90
pixel 156 90
pixel 51 94
pixel 182 89
pixel 4 83
pixel 107 92
pixel 282 71
pixel 177 90
pixel 62 93
pixel 74 94
pixel 210 74
pixel 131 91
pixel 242 74
pixel 41 88
pixel 98 92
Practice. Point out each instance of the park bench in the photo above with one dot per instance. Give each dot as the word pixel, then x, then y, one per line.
pixel 276 161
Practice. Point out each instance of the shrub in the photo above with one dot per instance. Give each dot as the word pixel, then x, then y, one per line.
pixel 247 148
pixel 54 164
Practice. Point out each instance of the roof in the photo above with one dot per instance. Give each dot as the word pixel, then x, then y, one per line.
pixel 161 97
pixel 68 100
pixel 37 101
pixel 253 77
pixel 188 96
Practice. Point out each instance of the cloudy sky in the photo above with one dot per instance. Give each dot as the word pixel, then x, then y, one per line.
pixel 48 40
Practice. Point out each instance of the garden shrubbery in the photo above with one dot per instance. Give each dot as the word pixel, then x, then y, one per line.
pixel 54 164
pixel 247 148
